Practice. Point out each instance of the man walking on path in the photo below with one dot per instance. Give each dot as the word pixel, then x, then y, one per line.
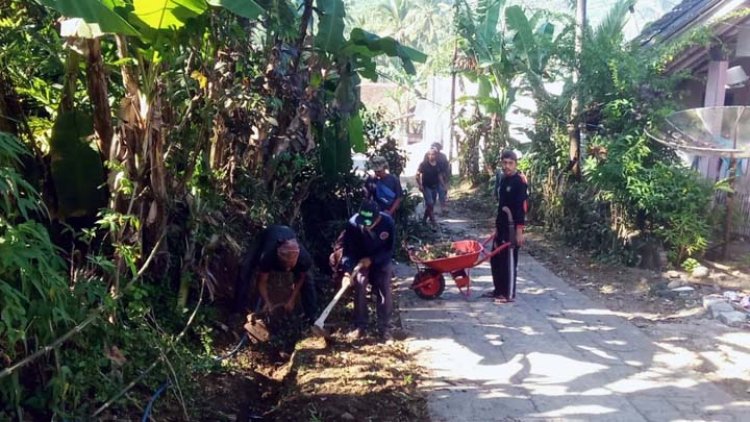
pixel 431 180
pixel 276 249
pixel 369 241
pixel 511 190
pixel 384 188
pixel 445 168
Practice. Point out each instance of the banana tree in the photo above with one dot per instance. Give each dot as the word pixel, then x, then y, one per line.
pixel 136 150
pixel 489 65
pixel 509 51
pixel 349 59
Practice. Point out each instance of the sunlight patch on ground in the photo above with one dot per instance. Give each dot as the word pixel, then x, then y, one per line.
pixel 577 410
pixel 649 380
pixel 598 352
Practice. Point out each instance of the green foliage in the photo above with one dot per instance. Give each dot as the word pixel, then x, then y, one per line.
pixel 379 142
pixel 665 198
pixel 228 125
pixel 95 11
pixel 632 188
pixel 245 8
pixel 30 270
pixel 690 264
pixel 330 36
pixel 76 167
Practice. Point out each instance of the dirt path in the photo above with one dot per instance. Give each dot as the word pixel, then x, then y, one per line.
pixel 558 354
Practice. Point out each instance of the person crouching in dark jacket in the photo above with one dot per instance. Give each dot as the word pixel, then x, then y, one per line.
pixel 275 249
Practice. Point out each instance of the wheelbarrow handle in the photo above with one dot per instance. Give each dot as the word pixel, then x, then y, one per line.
pixel 484 256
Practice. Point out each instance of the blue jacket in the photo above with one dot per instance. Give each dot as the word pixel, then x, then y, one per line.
pixel 377 244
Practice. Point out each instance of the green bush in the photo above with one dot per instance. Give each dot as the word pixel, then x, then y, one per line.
pixel 661 197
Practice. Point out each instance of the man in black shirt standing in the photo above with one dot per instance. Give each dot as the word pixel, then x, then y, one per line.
pixel 276 249
pixel 511 190
pixel 369 242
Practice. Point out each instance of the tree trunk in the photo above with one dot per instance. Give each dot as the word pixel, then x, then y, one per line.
pixel 96 79
pixel 574 130
pixel 7 121
pixel 303 25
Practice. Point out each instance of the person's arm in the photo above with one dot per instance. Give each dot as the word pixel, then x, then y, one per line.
pixel 394 207
pixel 349 253
pixel 495 192
pixel 299 280
pixel 419 179
pixel 385 255
pixel 263 290
pixel 399 197
pixel 519 208
pixel 441 180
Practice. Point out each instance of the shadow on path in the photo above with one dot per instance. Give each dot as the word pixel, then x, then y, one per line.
pixel 554 354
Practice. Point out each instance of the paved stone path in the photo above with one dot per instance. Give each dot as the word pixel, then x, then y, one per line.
pixel 554 354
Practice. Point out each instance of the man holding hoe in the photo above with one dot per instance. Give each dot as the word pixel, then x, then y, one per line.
pixel 369 242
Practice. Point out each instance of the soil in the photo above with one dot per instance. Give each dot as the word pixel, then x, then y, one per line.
pixel 296 376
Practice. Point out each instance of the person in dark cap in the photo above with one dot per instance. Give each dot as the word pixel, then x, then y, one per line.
pixel 369 242
pixel 275 249
pixel 384 188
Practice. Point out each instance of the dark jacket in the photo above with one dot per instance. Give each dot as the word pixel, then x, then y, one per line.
pixel 511 192
pixel 377 244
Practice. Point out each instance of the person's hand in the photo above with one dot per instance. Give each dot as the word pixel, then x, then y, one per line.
pixel 267 307
pixel 365 263
pixel 519 238
pixel 346 280
pixel 421 188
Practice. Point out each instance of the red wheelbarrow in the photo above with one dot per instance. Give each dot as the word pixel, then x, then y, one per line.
pixel 429 282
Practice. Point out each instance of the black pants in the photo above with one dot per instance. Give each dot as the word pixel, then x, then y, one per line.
pixel 504 281
pixel 379 277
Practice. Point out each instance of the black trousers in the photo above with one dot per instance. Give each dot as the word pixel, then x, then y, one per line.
pixel 503 274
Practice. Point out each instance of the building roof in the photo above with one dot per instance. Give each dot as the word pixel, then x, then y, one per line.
pixel 686 15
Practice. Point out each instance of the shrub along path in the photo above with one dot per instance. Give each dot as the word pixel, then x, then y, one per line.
pixel 554 353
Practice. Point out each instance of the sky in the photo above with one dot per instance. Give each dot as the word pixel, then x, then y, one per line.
pixel 645 11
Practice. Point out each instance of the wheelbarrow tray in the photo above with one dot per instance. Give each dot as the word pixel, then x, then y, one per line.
pixel 469 250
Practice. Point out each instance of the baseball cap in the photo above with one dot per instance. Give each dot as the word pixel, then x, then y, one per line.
pixel 368 211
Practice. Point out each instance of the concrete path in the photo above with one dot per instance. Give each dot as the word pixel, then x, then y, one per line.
pixel 554 354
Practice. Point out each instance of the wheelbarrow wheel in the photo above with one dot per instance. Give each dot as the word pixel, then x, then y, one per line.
pixel 429 284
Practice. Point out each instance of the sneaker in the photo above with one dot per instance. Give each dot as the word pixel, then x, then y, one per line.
pixel 355 334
